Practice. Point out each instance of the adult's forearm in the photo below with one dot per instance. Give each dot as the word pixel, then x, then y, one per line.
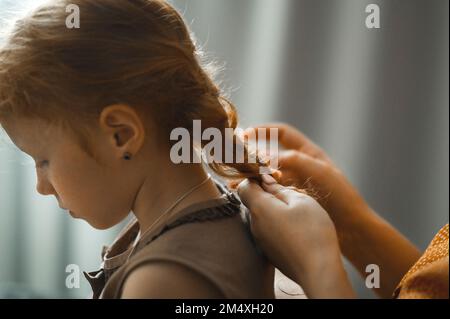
pixel 370 239
pixel 327 280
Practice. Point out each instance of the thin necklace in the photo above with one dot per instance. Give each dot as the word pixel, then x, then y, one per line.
pixel 190 191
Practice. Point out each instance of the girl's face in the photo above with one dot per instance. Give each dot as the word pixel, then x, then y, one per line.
pixel 101 194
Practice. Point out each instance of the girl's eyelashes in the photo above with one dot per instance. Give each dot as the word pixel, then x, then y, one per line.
pixel 42 164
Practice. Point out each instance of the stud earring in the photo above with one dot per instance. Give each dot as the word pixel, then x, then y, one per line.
pixel 127 156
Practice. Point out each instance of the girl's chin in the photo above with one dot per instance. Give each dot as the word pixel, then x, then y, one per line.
pixel 74 215
pixel 100 225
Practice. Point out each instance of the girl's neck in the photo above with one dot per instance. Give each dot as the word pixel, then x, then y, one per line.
pixel 155 196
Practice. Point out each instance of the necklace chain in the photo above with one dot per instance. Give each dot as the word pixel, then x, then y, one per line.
pixel 189 192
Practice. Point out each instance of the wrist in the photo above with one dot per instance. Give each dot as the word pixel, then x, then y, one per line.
pixel 316 261
pixel 325 278
pixel 351 235
pixel 343 203
pixel 347 209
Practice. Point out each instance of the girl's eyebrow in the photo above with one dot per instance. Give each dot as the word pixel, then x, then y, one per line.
pixel 22 148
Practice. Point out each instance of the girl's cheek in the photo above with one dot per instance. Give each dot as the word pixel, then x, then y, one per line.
pixel 65 183
pixel 57 180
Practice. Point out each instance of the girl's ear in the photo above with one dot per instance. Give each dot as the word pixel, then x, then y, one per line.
pixel 123 127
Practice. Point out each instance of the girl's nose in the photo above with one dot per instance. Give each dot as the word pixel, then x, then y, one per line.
pixel 43 187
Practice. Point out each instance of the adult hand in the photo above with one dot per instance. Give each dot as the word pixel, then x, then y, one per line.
pixel 305 165
pixel 364 237
pixel 298 237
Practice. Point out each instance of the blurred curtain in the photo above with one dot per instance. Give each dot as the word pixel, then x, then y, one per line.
pixel 375 99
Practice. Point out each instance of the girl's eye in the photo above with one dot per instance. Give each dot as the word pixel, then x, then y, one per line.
pixel 42 163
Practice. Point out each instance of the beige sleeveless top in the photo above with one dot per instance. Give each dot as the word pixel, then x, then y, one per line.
pixel 211 238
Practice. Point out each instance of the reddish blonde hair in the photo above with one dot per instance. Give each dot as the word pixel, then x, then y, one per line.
pixel 135 52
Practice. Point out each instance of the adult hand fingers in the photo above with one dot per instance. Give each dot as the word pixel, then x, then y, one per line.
pixel 301 167
pixel 287 135
pixel 288 195
pixel 290 138
pixel 257 199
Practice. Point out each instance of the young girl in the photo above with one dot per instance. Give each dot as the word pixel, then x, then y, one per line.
pixel 94 106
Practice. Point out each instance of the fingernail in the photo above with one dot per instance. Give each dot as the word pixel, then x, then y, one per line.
pixel 242 183
pixel 267 179
pixel 277 174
